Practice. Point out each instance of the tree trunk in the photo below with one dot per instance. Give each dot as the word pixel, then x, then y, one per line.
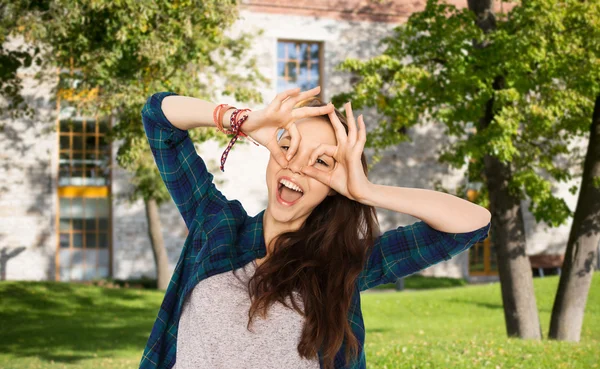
pixel 508 234
pixel 582 246
pixel 158 245
pixel 508 230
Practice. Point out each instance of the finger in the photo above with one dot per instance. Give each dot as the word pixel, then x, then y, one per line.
pixel 306 94
pixel 311 111
pixel 340 132
pixel 362 130
pixel 351 124
pixel 280 97
pixel 278 154
pixel 295 143
pixel 319 175
pixel 330 150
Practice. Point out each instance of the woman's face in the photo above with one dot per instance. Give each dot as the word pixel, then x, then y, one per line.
pixel 313 131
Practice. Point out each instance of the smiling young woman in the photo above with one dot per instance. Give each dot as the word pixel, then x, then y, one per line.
pixel 315 246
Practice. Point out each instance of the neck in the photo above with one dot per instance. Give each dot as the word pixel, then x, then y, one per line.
pixel 272 228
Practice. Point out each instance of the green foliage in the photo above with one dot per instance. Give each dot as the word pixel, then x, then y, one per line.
pixel 112 55
pixel 540 69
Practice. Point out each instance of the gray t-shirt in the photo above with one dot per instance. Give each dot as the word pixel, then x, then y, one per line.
pixel 212 328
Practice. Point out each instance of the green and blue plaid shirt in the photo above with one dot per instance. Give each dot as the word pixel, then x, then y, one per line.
pixel 223 237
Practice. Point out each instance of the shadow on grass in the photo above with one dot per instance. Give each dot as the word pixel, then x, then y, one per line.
pixel 419 282
pixel 67 322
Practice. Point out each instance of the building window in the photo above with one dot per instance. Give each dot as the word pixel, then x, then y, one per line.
pixel 83 236
pixel 83 158
pixel 299 64
pixel 84 214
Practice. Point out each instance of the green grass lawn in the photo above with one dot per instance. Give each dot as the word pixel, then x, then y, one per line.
pixel 61 325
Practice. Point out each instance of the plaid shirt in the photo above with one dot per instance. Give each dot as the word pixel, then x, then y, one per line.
pixel 222 237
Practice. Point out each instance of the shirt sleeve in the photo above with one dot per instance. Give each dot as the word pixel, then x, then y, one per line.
pixel 182 170
pixel 408 249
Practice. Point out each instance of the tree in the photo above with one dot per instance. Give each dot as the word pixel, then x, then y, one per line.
pixel 112 56
pixel 526 99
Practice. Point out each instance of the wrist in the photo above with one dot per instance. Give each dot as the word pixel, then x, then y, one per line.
pixel 367 197
pixel 226 119
pixel 250 124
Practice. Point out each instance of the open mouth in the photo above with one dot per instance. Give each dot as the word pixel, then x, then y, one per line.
pixel 288 193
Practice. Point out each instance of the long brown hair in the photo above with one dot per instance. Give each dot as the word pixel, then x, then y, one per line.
pixel 320 261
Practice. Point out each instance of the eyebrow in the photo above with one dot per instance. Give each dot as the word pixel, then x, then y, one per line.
pixel 288 136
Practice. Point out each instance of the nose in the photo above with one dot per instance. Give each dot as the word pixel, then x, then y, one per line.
pixel 299 160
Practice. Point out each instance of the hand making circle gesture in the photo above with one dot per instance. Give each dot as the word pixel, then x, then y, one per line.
pixel 263 125
pixel 347 177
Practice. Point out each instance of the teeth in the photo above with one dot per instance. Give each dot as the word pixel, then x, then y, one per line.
pixel 289 184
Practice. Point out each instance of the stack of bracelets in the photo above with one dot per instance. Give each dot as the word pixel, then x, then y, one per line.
pixel 235 122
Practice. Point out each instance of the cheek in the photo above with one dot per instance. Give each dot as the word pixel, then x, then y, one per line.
pixel 318 189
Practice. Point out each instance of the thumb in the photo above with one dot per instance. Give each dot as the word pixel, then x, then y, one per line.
pixel 319 175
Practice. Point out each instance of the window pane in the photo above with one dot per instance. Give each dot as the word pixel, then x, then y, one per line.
pixel 102 240
pixel 90 240
pixel 90 142
pixel 77 224
pixel 65 224
pixel 64 142
pixel 90 126
pixel 78 240
pixel 64 158
pixel 103 263
pixel 103 226
pixel 64 262
pixel 77 142
pixel 291 49
pixel 64 174
pixel 94 175
pixel 77 159
pixel 77 264
pixel 77 126
pixel 314 71
pixel 90 158
pixel 77 208
pixel 304 54
pixel 77 178
pixel 292 73
pixel 65 125
pixel 89 272
pixel 91 258
pixel 64 240
pixel 64 179
pixel 102 207
pixel 314 51
pixel 103 144
pixel 65 207
pixel 303 71
pixel 89 210
pixel 90 224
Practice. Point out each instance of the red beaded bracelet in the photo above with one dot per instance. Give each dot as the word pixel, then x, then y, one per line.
pixel 236 125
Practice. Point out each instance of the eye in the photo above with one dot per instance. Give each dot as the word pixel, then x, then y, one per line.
pixel 286 147
pixel 321 162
